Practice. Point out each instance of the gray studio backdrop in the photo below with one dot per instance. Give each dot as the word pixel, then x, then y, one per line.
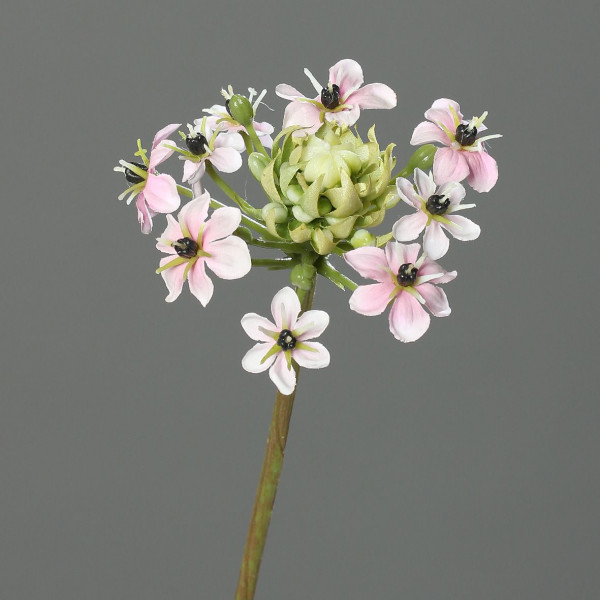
pixel 464 466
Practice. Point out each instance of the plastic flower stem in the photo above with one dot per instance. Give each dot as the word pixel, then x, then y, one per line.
pixel 247 143
pixel 269 478
pixel 327 270
pixel 257 143
pixel 274 263
pixel 247 208
pixel 287 247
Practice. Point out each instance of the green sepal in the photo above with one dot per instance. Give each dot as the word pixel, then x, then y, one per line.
pixel 341 228
pixel 322 241
pixel 257 163
pixel 345 199
pixel 267 180
pixel 300 234
pixel 310 199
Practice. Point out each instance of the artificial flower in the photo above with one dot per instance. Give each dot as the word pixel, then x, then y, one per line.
pixel 465 154
pixel 285 340
pixel 434 213
pixel 156 193
pixel 194 243
pixel 340 100
pixel 403 279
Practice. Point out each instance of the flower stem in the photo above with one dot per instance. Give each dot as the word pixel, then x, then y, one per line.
pixel 269 478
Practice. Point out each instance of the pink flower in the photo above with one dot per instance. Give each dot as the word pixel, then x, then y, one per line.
pixel 403 280
pixel 156 193
pixel 434 214
pixel 285 340
pixel 340 100
pixel 465 154
pixel 221 149
pixel 192 243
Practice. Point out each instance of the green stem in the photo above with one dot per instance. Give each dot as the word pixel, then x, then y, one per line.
pixel 247 143
pixel 269 478
pixel 330 272
pixel 274 263
pixel 256 141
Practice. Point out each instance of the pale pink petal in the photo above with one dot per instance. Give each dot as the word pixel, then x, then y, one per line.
pixel 255 326
pixel 200 283
pixel 454 191
pixel 462 228
pixel 435 299
pixel 483 171
pixel 406 191
pixel 369 262
pixel 172 233
pixel 311 324
pixel 144 214
pixel 430 266
pixel 372 299
pixel 283 90
pixel 304 115
pixel 425 184
pixel 253 360
pixel 449 165
pixel 428 133
pixel 194 213
pixel 315 358
pixel 283 376
pixel 435 242
pixel 161 193
pixel 347 74
pixel 173 278
pixel 399 254
pixel 230 139
pixel 223 222
pixel 408 319
pixel 229 258
pixel 226 160
pixel 164 133
pixel 348 116
pixel 263 128
pixel 373 95
pixel 285 308
pixel 409 227
pixel 189 169
pixel 158 152
pixel 194 180
pixel 440 113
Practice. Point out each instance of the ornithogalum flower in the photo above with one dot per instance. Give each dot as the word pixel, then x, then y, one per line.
pixel 156 193
pixel 403 279
pixel 285 340
pixel 434 208
pixel 465 154
pixel 340 100
pixel 194 243
pixel 220 117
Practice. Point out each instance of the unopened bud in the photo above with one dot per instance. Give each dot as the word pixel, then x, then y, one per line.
pixel 302 276
pixel 240 109
pixel 422 158
pixel 361 238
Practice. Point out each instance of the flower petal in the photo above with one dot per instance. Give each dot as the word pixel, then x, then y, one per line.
pixel 371 299
pixel 144 213
pixel 347 74
pixel 369 262
pixel 315 358
pixel 285 308
pixel 171 233
pixel 193 215
pixel 435 299
pixel 348 116
pixel 440 113
pixel 255 326
pixel 311 324
pixel 223 222
pixel 408 319
pixel 253 359
pixel 283 90
pixel 409 227
pixel 454 191
pixel 373 95
pixel 461 228
pixel 483 171
pixel 430 267
pixel 225 159
pixel 427 133
pixel 304 115
pixel 435 242
pixel 229 258
pixel 173 278
pixel 398 254
pixel 283 376
pixel 406 191
pixel 161 193
pixel 450 165
pixel 200 283
pixel 425 184
pixel 190 169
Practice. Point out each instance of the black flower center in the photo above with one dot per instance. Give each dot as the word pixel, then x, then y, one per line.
pixel 196 144
pixel 437 205
pixel 407 274
pixel 227 107
pixel 286 340
pixel 134 177
pixel 186 247
pixel 330 96
pixel 466 135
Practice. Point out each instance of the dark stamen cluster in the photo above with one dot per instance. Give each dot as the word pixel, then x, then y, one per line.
pixel 437 205
pixel 407 274
pixel 465 136
pixel 286 340
pixel 186 247
pixel 196 144
pixel 330 96
pixel 134 177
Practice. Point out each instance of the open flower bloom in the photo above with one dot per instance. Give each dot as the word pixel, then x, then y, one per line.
pixel 220 148
pixel 340 100
pixel 465 154
pixel 285 340
pixel 156 193
pixel 405 281
pixel 194 243
pixel 434 214
pixel 219 117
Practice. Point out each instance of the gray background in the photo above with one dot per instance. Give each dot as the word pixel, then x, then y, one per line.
pixel 464 466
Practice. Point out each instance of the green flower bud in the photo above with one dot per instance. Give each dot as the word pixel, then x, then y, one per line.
pixel 361 238
pixel 302 276
pixel 240 109
pixel 274 211
pixel 257 163
pixel 422 158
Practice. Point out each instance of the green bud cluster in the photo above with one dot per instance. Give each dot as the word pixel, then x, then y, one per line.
pixel 325 186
